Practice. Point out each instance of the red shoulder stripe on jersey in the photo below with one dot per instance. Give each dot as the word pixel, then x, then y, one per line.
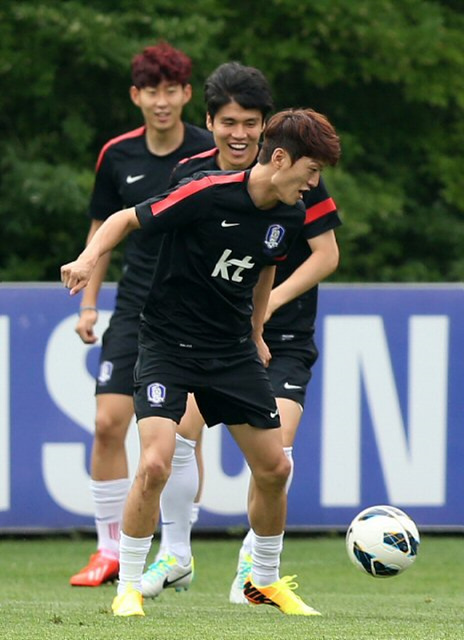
pixel 320 209
pixel 125 136
pixel 192 187
pixel 203 154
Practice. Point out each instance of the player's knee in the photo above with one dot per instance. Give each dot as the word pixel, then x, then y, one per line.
pixel 282 470
pixel 275 475
pixel 156 470
pixel 108 430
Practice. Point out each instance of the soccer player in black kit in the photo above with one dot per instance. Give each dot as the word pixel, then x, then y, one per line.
pixel 238 101
pixel 201 332
pixel 131 168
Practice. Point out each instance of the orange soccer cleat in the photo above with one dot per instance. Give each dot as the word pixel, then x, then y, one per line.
pixel 99 570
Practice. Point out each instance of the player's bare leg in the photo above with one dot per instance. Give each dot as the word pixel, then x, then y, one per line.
pixel 109 459
pixel 141 512
pixel 263 451
pixel 201 475
pixel 270 468
pixel 290 416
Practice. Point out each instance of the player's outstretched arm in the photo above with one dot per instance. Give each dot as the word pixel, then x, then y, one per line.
pixel 319 265
pixel 76 275
pixel 88 314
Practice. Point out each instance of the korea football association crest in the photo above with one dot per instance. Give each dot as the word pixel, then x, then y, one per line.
pixel 106 371
pixel 274 236
pixel 156 394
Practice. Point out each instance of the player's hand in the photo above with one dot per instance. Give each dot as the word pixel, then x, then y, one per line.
pixel 76 275
pixel 84 327
pixel 263 352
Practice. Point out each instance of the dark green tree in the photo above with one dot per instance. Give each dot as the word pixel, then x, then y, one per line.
pixel 388 73
pixel 65 75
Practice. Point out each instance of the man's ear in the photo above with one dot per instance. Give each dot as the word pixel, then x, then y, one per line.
pixel 209 122
pixel 187 93
pixel 280 157
pixel 135 95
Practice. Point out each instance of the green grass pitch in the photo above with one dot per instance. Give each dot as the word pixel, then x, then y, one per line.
pixel 426 602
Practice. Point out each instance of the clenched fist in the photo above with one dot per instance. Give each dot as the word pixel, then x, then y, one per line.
pixel 76 275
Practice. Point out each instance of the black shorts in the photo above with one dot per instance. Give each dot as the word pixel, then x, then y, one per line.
pixel 290 374
pixel 233 389
pixel 118 355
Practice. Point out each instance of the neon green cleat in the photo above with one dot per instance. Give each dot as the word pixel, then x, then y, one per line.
pixel 279 594
pixel 128 603
pixel 166 573
pixel 236 595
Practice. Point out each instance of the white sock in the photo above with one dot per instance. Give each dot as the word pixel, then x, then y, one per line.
pixel 132 555
pixel 289 453
pixel 195 513
pixel 266 559
pixel 247 543
pixel 109 497
pixel 177 500
pixel 162 551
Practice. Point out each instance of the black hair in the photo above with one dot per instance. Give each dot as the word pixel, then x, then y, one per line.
pixel 233 81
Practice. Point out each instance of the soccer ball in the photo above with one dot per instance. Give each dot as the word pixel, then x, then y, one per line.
pixel 382 541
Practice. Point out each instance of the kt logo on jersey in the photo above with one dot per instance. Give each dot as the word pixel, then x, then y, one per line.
pixel 236 267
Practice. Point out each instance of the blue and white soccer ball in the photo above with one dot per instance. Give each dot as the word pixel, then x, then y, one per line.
pixel 382 541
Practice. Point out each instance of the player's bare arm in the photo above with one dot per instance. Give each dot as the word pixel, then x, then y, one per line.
pixel 76 275
pixel 88 314
pixel 261 295
pixel 319 265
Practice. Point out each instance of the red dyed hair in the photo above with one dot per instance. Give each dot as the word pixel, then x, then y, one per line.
pixel 158 63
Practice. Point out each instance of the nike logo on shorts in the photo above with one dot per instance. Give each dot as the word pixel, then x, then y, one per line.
pixel 225 224
pixel 289 386
pixel 274 414
pixel 131 179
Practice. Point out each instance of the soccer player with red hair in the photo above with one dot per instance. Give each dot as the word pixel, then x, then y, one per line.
pixel 130 168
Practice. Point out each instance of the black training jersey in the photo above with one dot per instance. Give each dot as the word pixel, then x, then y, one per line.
pixel 128 173
pixel 293 324
pixel 201 299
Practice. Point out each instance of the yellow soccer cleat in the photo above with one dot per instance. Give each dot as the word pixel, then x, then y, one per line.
pixel 279 594
pixel 128 603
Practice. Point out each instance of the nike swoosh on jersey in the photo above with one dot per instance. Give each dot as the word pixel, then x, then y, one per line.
pixel 224 223
pixel 287 385
pixel 131 179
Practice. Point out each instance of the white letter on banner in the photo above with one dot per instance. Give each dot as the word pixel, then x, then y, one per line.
pixel 5 498
pixel 222 494
pixel 413 463
pixel 72 388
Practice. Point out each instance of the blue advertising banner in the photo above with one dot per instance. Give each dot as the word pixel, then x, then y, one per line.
pixel 382 425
